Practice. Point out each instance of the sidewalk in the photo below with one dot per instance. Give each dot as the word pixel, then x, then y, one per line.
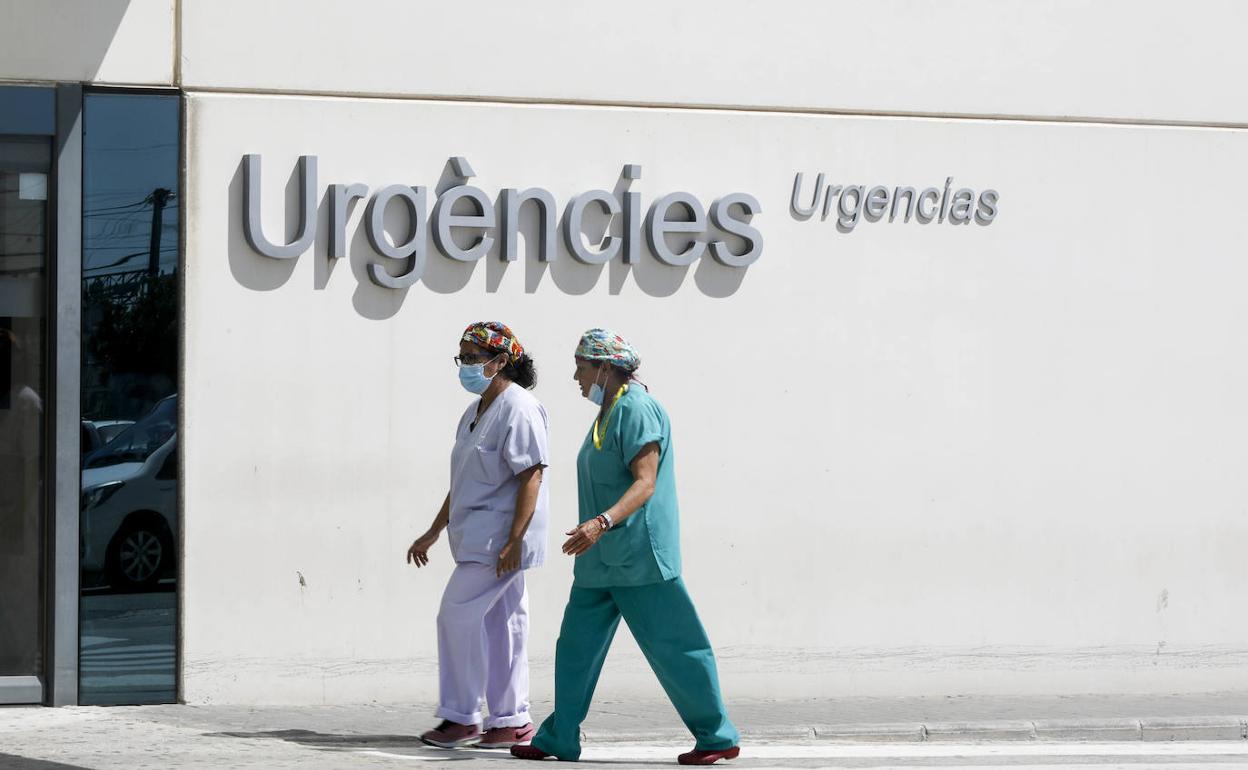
pixel 1093 717
pixel 1109 717
pixel 274 737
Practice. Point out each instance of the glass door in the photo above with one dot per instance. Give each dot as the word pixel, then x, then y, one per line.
pixel 25 166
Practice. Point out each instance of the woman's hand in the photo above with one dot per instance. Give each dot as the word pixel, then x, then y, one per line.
pixel 509 557
pixel 583 537
pixel 418 554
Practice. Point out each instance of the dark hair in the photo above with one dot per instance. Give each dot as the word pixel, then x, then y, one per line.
pixel 620 371
pixel 523 371
pixel 629 375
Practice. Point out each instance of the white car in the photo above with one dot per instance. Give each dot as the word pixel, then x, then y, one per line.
pixel 130 502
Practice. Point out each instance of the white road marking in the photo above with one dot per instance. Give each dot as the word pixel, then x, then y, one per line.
pixel 1009 765
pixel 450 756
pixel 917 750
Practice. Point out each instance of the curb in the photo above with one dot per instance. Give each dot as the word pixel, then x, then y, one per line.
pixel 898 732
pixel 1213 728
pixel 1013 730
pixel 1088 730
pixel 1195 729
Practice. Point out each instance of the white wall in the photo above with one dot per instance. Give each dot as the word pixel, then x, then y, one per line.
pixel 104 41
pixel 1116 59
pixel 911 458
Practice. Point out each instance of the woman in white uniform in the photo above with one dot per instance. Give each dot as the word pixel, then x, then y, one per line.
pixel 495 516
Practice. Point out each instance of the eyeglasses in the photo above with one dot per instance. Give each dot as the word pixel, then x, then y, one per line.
pixel 472 360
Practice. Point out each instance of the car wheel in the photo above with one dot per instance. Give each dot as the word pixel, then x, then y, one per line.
pixel 139 555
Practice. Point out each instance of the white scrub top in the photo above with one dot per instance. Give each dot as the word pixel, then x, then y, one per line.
pixel 510 438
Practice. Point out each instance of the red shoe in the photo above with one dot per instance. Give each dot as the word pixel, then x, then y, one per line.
pixel 452 735
pixel 506 737
pixel 527 751
pixel 697 757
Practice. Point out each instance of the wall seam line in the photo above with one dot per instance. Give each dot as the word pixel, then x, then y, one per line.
pixel 746 109
pixel 177 43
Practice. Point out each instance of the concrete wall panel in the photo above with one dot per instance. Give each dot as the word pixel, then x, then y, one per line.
pixel 129 42
pixel 912 458
pixel 1115 59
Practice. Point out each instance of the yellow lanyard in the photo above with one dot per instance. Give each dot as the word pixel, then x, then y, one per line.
pixel 597 435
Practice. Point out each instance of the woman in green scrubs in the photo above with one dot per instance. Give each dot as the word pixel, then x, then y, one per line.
pixel 627 550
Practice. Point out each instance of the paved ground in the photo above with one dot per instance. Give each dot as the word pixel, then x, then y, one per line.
pixel 1102 731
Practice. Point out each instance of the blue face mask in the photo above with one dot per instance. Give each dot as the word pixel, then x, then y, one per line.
pixel 596 394
pixel 473 378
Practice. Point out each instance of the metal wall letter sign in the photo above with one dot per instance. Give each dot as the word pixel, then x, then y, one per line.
pixel 721 217
pixel 679 216
pixel 575 219
pixel 253 230
pixel 411 250
pixel 658 226
pixel 853 203
pixel 545 203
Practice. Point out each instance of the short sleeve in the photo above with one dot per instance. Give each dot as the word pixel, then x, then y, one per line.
pixel 526 443
pixel 640 424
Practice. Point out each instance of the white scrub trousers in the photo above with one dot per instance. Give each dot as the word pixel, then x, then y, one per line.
pixel 483 634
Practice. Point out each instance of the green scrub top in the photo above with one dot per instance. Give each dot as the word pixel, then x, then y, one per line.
pixel 645 547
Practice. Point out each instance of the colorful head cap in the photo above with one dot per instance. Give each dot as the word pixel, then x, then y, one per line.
pixel 603 345
pixel 494 337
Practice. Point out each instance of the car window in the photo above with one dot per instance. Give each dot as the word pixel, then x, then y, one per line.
pixel 137 442
pixel 91 439
pixel 110 432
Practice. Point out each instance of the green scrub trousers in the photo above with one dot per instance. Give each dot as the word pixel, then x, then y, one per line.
pixel 633 572
pixel 665 624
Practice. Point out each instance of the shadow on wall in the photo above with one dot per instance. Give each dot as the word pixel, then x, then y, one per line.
pixel 80 34
pixel 445 275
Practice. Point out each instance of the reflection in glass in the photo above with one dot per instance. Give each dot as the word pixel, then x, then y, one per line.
pixel 24 167
pixel 129 502
pixel 130 309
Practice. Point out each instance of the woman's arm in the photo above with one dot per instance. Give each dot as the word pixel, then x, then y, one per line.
pixel 645 469
pixel 418 554
pixel 526 504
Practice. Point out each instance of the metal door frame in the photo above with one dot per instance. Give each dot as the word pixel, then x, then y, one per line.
pixel 56 112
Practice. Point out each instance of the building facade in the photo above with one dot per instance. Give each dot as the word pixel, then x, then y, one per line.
pixel 944 301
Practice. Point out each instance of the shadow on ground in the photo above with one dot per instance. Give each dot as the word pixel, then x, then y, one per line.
pixel 13 762
pixel 409 745
pixel 314 739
